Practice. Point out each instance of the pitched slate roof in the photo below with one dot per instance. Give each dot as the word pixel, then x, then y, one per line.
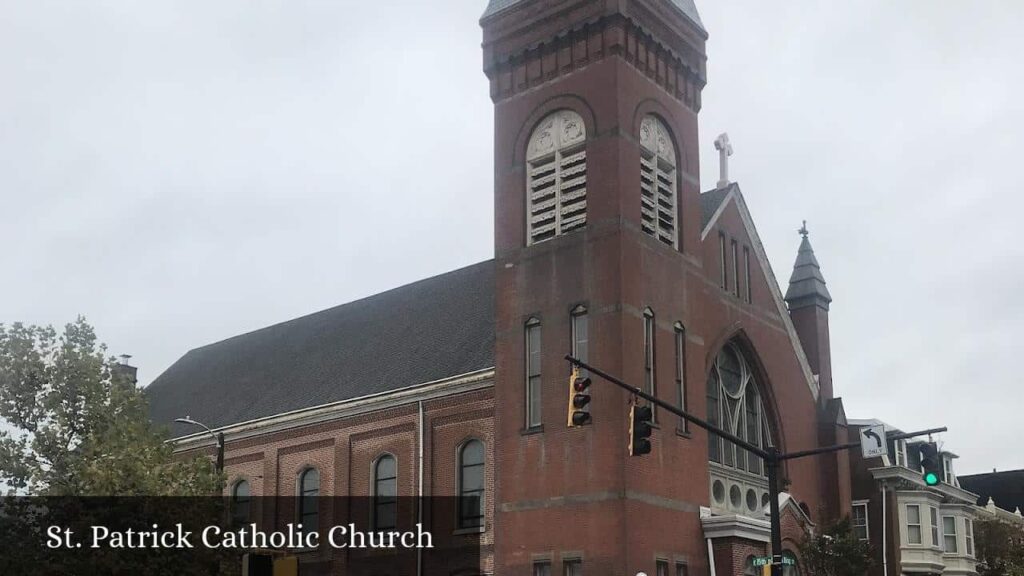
pixel 709 203
pixel 425 331
pixel 1005 488
pixel 687 7
pixel 807 284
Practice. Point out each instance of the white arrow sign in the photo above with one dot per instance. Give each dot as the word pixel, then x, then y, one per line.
pixel 872 441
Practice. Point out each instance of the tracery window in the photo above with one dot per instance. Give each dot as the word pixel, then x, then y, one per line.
pixel 738 482
pixel 734 403
pixel 657 181
pixel 556 165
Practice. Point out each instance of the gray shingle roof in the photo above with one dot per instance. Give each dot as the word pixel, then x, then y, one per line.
pixel 709 202
pixel 807 283
pixel 687 7
pixel 429 330
pixel 1005 488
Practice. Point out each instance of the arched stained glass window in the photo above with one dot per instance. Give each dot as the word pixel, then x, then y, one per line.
pixel 556 167
pixel 734 403
pixel 737 477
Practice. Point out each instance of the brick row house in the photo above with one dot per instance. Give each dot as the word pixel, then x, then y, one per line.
pixel 604 247
pixel 918 529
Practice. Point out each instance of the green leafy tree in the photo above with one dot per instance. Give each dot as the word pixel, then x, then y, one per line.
pixel 999 547
pixel 73 423
pixel 836 551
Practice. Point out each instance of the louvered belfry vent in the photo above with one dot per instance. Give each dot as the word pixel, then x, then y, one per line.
pixel 657 181
pixel 557 170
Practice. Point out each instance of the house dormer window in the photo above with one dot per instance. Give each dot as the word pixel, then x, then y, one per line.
pixel 556 166
pixel 657 181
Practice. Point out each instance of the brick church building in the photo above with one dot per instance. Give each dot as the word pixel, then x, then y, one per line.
pixel 605 247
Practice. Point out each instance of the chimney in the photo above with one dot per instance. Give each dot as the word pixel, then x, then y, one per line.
pixel 808 300
pixel 124 370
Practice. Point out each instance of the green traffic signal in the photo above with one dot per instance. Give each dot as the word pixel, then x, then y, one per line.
pixel 931 464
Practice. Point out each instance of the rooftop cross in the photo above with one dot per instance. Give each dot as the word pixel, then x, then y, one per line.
pixel 803 230
pixel 724 151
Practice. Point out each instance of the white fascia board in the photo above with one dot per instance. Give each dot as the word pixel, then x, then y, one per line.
pixel 346 408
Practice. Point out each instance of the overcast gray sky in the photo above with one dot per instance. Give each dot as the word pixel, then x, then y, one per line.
pixel 184 171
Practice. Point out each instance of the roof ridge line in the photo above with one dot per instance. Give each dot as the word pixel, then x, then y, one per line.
pixel 343 304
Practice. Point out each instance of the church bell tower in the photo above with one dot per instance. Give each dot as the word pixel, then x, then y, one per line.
pixel 597 220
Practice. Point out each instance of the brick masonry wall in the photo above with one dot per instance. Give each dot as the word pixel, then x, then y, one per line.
pixel 344 452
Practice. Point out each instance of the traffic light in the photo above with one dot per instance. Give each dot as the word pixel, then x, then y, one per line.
pixel 579 397
pixel 640 418
pixel 930 463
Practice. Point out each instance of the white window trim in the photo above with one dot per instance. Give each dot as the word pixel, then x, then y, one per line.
pixel 954 534
pixel 969 537
pixel 920 527
pixel 867 521
pixel 901 453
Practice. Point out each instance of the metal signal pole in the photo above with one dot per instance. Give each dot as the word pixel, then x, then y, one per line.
pixel 772 456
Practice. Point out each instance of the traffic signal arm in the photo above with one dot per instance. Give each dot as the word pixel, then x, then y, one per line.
pixel 669 408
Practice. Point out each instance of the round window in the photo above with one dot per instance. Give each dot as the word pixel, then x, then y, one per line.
pixel 752 500
pixel 718 491
pixel 735 496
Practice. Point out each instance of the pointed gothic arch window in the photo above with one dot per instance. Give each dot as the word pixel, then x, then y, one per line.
pixel 734 403
pixel 556 167
pixel 657 181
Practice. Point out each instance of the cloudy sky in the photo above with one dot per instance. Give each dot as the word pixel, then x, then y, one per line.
pixel 183 171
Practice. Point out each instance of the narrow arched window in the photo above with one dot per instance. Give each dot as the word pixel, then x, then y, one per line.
pixel 471 484
pixel 533 380
pixel 309 492
pixel 385 492
pixel 680 345
pixel 650 377
pixel 657 181
pixel 241 498
pixel 556 166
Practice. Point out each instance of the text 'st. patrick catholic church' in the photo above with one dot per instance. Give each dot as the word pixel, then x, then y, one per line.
pixel 605 247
